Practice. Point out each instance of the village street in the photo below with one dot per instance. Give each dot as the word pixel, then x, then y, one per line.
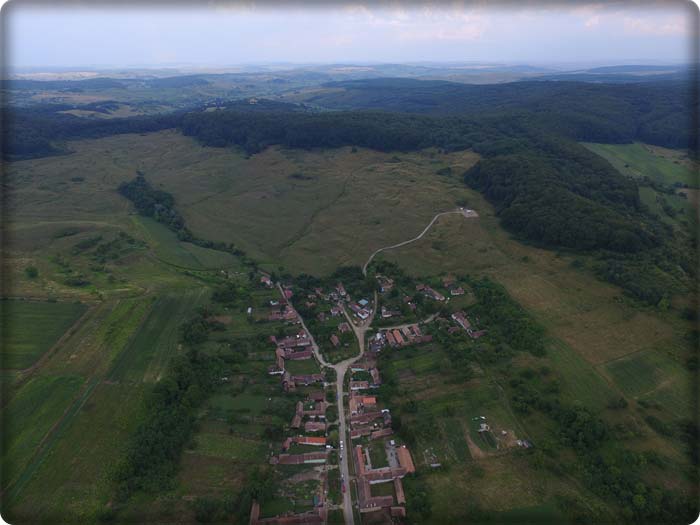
pixel 340 369
pixel 360 330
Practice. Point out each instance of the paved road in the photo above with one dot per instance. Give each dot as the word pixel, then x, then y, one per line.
pixel 340 370
pixel 461 211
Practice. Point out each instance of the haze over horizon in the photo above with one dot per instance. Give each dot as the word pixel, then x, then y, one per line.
pixel 226 35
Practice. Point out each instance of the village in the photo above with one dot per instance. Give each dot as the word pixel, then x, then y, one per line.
pixel 378 458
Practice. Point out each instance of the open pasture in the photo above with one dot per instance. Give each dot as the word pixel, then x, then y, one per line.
pixel 182 254
pixel 30 328
pixel 309 211
pixel 641 160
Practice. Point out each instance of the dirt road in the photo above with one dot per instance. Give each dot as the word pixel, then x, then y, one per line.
pixel 461 211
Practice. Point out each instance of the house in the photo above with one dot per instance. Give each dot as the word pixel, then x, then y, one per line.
pixel 298 414
pixel 336 311
pixel 363 302
pixel 360 460
pixel 405 459
pixel 462 320
pixel 376 379
pixel 385 283
pixel 321 316
pixel 379 434
pixel 344 327
pixel 359 431
pixel 313 441
pixel 390 338
pixel 477 333
pixel 398 337
pixel 341 289
pixel 429 292
pixel 317 410
pixel 335 340
pixel 298 355
pixel 265 279
pixel 398 488
pixel 457 290
pixel 314 426
pixel 299 459
pixel 317 397
pixel 359 385
pixel 307 379
pixel 357 405
pixel 288 384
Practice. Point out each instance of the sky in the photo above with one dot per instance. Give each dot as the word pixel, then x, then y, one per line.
pixel 73 34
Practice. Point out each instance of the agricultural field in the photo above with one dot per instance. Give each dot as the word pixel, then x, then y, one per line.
pixel 92 444
pixel 23 342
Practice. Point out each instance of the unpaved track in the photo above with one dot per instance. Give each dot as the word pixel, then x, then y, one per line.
pixel 465 213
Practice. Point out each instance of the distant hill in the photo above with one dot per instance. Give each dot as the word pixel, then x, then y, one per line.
pixel 88 83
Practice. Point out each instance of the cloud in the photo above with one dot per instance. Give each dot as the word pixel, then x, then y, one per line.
pixel 667 26
pixel 592 21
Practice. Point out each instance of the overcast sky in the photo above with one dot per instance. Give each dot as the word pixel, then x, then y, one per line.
pixel 71 34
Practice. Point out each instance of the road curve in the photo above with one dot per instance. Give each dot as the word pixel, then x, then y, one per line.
pixel 404 243
pixel 340 370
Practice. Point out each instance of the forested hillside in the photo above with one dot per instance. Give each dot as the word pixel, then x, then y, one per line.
pixel 654 112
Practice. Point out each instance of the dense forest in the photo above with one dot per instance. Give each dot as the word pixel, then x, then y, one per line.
pixel 654 112
pixel 31 133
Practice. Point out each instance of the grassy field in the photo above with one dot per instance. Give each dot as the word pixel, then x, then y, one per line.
pixel 257 203
pixel 642 160
pixel 182 254
pixel 30 328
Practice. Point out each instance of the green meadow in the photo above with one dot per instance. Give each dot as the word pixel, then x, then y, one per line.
pixel 641 160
